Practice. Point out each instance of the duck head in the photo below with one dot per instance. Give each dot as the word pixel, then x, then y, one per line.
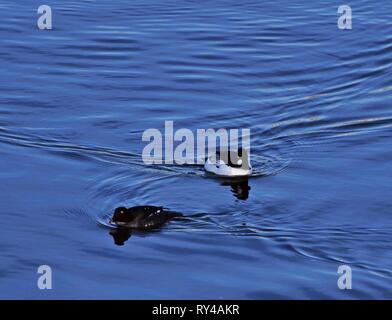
pixel 241 159
pixel 121 216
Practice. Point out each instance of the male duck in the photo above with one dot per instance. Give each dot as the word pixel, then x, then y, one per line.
pixel 229 163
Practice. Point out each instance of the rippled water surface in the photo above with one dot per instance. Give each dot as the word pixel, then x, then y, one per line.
pixel 74 102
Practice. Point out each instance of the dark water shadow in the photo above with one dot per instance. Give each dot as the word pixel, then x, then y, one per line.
pixel 239 187
pixel 120 235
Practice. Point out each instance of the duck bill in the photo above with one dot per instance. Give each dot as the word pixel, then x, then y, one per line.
pixel 117 223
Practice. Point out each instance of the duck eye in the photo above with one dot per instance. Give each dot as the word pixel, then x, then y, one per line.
pixel 121 211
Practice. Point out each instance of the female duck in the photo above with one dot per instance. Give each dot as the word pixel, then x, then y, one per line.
pixel 142 217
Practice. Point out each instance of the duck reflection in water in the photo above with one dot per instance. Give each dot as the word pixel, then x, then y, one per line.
pixel 239 187
pixel 120 235
pixel 140 218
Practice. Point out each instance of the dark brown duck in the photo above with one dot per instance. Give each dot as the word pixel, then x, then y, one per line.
pixel 142 217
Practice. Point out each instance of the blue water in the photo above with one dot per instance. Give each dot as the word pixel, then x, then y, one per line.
pixel 75 100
